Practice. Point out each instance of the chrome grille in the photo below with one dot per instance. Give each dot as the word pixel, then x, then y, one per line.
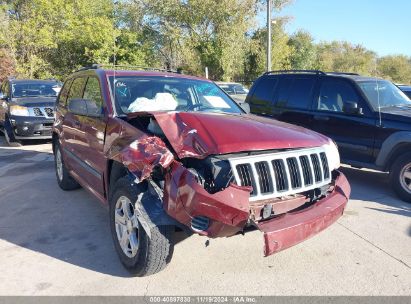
pixel 49 112
pixel 246 176
pixel 37 112
pixel 42 112
pixel 283 173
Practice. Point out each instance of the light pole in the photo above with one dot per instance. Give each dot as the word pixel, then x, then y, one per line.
pixel 268 35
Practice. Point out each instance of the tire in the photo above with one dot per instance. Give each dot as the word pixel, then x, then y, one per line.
pixel 142 255
pixel 400 169
pixel 64 179
pixel 9 135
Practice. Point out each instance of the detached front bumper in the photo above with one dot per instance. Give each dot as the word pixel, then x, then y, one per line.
pixel 27 127
pixel 294 227
pixel 228 211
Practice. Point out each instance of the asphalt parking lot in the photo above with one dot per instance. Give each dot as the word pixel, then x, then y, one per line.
pixel 58 243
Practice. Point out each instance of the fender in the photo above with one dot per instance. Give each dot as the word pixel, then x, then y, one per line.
pixel 388 146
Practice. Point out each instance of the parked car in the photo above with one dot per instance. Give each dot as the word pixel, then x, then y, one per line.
pixel 406 89
pixel 165 150
pixel 26 110
pixel 369 118
pixel 237 92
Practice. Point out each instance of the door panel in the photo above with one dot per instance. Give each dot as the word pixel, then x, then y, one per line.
pixel 353 133
pixel 72 133
pixel 93 129
pixel 293 100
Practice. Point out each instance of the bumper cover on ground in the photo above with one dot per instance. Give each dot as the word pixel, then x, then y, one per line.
pixel 295 227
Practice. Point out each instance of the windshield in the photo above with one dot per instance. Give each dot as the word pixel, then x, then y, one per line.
pixel 32 89
pixel 234 89
pixel 383 94
pixel 137 94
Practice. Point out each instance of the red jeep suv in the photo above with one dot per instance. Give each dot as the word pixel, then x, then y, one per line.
pixel 166 151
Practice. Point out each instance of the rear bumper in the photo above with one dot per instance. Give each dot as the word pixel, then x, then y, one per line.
pixel 294 227
pixel 26 127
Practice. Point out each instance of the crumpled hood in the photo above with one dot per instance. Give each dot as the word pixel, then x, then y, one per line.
pixel 33 102
pixel 194 134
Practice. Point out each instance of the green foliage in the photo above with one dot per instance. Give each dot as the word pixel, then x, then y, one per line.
pixel 51 38
pixel 304 52
pixel 201 33
pixel 341 56
pixel 397 68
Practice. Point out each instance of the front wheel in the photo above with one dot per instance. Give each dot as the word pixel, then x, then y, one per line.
pixel 143 255
pixel 9 135
pixel 400 177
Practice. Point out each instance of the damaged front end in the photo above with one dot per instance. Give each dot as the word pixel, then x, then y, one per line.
pixel 289 194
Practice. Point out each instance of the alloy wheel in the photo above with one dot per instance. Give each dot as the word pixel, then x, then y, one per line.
pixel 126 224
pixel 405 178
pixel 59 165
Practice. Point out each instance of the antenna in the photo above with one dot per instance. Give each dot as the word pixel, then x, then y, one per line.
pixel 114 68
pixel 378 93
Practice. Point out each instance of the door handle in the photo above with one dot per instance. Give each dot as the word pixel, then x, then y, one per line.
pixel 320 117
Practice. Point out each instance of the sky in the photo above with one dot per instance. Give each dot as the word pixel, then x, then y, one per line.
pixel 379 25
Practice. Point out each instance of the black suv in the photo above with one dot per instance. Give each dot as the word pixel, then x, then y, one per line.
pixel 368 118
pixel 406 89
pixel 27 109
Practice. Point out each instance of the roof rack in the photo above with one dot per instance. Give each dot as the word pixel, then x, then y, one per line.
pixel 120 67
pixel 343 73
pixel 317 72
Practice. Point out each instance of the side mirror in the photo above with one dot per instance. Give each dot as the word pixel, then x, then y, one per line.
pixel 77 106
pixel 246 107
pixel 351 107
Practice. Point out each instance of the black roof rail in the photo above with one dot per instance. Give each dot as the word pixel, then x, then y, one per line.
pixel 343 73
pixel 121 66
pixel 317 72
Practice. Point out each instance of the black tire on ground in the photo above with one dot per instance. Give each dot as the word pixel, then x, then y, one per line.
pixel 9 135
pixel 154 252
pixel 64 179
pixel 397 175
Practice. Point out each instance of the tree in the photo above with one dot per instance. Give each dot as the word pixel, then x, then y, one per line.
pixel 342 56
pixel 281 51
pixel 202 33
pixel 53 37
pixel 304 52
pixel 396 68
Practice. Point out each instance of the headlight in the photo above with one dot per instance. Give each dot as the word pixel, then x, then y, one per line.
pixel 333 155
pixel 19 111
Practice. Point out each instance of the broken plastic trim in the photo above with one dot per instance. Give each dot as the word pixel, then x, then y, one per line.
pixel 184 199
pixel 142 155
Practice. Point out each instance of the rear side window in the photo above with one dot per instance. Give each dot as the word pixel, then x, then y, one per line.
pixel 77 88
pixel 62 101
pixel 334 93
pixel 263 93
pixel 295 93
pixel 92 93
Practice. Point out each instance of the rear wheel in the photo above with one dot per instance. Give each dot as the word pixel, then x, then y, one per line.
pixel 140 253
pixel 400 177
pixel 65 181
